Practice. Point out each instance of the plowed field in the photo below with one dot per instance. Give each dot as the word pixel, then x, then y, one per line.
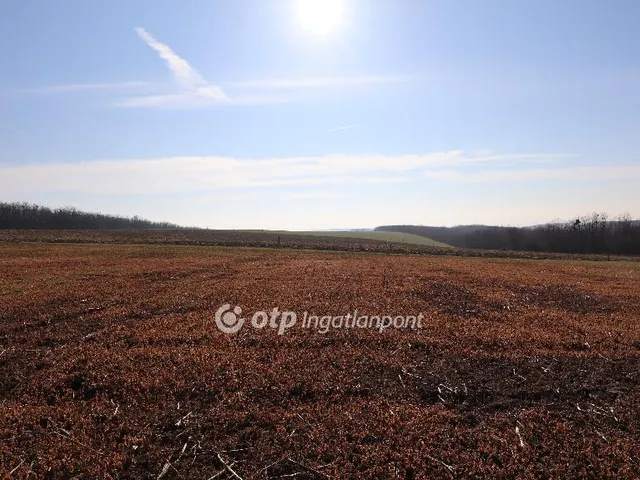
pixel 112 366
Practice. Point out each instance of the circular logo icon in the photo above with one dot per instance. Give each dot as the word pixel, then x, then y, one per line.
pixel 228 320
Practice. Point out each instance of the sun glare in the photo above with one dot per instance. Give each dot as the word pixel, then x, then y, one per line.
pixel 319 16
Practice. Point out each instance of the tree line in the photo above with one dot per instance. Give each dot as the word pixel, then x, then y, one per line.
pixel 591 234
pixel 30 216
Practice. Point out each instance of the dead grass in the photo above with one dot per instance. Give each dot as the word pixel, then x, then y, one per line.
pixel 112 366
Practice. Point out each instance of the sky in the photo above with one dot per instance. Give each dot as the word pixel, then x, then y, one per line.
pixel 322 114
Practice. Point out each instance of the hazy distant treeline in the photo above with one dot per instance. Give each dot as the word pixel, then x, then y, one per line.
pixel 29 216
pixel 590 234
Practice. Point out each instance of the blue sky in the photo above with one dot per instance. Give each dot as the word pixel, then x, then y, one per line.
pixel 236 114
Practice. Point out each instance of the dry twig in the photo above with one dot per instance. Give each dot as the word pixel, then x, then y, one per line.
pixel 228 468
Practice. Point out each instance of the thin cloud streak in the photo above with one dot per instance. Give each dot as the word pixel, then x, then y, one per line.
pixel 185 75
pixel 189 174
pixel 193 90
pixel 573 174
pixel 81 87
pixel 187 100
pixel 319 82
pixel 315 195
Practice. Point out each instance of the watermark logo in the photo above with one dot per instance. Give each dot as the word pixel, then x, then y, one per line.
pixel 228 320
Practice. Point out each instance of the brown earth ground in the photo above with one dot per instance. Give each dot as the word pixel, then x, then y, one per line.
pixel 111 366
pixel 272 239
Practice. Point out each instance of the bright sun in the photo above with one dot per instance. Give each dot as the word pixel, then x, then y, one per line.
pixel 320 16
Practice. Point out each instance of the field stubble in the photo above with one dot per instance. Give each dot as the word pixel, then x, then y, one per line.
pixel 111 364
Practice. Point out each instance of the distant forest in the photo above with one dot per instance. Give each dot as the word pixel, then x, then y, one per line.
pixel 29 216
pixel 590 234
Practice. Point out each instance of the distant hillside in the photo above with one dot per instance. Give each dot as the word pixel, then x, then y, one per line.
pixel 454 236
pixel 587 235
pixel 385 236
pixel 28 216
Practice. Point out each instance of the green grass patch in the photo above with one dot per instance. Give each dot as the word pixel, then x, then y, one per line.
pixel 395 237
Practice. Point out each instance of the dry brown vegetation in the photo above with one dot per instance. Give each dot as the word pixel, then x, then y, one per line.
pixel 272 239
pixel 111 366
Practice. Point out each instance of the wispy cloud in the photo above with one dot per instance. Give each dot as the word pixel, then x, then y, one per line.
pixel 193 89
pixel 184 74
pixel 185 174
pixel 314 195
pixel 573 174
pixel 319 82
pixel 184 100
pixel 81 87
pixel 343 128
